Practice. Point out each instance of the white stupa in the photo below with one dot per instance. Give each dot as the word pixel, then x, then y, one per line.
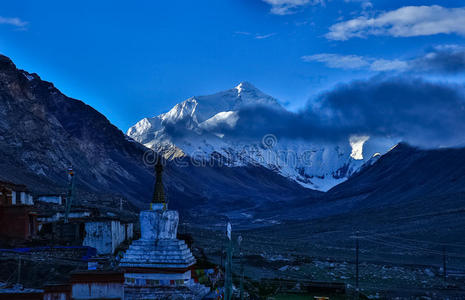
pixel 158 265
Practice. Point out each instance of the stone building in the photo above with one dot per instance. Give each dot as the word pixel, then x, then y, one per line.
pixel 52 198
pixel 106 235
pixel 89 285
pixel 14 194
pixel 158 265
pixel 57 292
pixel 18 220
pixel 86 228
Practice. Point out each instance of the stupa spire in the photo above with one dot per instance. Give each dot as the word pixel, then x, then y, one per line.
pixel 158 192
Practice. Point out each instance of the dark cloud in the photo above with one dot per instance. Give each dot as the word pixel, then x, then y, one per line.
pixel 413 110
pixel 258 121
pixel 417 111
pixel 444 59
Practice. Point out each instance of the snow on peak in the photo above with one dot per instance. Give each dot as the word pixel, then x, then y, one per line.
pixel 28 76
pixel 228 118
pixel 244 86
pixel 182 111
pixel 202 108
pixel 357 142
pixel 202 112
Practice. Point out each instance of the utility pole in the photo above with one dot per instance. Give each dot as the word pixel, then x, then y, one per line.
pixel 357 247
pixel 221 258
pixel 70 194
pixel 228 267
pixel 121 204
pixel 444 258
pixel 19 270
pixel 239 241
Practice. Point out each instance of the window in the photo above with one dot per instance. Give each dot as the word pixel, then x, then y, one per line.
pixel 130 280
pixel 180 282
pixel 153 282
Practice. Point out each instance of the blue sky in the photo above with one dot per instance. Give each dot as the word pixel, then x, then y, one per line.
pixel 131 60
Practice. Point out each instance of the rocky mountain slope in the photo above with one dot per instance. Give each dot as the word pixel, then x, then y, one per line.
pixel 406 174
pixel 43 132
pixel 205 127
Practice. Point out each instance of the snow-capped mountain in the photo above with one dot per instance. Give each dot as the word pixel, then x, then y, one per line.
pixel 196 128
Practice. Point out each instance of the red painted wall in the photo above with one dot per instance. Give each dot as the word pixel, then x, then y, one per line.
pixel 15 222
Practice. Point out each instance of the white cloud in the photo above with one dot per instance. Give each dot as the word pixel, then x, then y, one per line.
pixel 337 61
pixel 365 4
pixel 441 59
pixel 287 7
pixel 13 21
pixel 388 65
pixel 406 21
pixel 255 35
pixel 242 33
pixel 264 36
pixel 357 142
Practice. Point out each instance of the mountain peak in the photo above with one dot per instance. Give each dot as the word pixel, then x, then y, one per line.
pixel 6 63
pixel 244 85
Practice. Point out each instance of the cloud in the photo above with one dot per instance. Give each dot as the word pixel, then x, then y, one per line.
pixel 388 65
pixel 444 59
pixel 365 4
pixel 419 112
pixel 400 108
pixel 256 35
pixel 264 36
pixel 406 21
pixel 337 61
pixel 242 33
pixel 287 7
pixel 17 22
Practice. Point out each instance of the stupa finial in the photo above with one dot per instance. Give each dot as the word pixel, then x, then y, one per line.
pixel 159 191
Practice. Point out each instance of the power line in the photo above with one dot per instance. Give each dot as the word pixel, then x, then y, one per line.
pixel 412 247
pixel 409 247
pixel 420 241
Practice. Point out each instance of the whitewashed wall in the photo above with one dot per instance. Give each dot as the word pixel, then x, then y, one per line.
pixel 106 236
pixel 51 199
pixel 55 296
pixel 99 236
pixel 97 290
